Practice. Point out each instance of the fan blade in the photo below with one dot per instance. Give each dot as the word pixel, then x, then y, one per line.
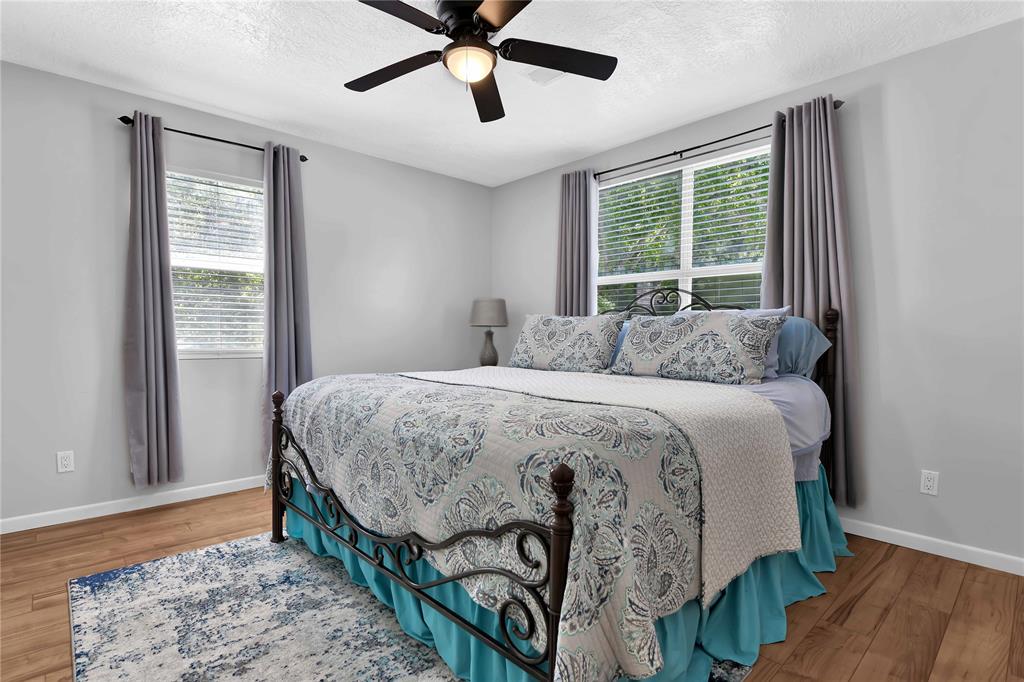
pixel 407 13
pixel 381 76
pixel 488 101
pixel 589 64
pixel 497 13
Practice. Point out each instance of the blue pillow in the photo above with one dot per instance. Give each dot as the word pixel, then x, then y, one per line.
pixel 618 342
pixel 801 344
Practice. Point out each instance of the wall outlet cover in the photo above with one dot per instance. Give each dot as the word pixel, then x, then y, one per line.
pixel 65 461
pixel 929 482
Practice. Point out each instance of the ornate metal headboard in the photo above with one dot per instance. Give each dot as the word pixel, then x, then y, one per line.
pixel 668 301
pixel 655 301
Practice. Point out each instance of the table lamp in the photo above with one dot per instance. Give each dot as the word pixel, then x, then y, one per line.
pixel 488 312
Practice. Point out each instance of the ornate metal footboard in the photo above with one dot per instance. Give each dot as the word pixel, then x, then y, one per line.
pixel 393 555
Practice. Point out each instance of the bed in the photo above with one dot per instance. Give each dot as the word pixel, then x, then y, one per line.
pixel 569 526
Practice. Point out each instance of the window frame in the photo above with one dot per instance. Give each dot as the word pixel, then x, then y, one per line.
pixel 686 273
pixel 207 353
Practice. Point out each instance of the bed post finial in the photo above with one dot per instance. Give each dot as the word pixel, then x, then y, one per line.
pixel 562 477
pixel 561 538
pixel 277 507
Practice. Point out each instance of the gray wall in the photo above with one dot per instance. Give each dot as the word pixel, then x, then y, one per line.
pixel 392 267
pixel 933 152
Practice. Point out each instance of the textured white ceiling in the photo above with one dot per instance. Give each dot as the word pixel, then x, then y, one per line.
pixel 282 64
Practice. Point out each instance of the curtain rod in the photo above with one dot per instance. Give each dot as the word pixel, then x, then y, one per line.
pixel 127 120
pixel 669 162
pixel 836 104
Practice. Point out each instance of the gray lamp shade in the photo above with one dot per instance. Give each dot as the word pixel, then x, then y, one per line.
pixel 488 312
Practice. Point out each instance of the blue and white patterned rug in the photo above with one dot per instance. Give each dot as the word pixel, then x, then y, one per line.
pixel 246 609
pixel 250 610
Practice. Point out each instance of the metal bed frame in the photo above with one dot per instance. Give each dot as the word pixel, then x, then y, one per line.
pixel 391 556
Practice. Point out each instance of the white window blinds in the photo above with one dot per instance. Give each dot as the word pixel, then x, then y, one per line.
pixel 699 227
pixel 216 234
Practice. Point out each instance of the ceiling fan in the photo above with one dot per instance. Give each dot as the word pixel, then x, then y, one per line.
pixel 470 57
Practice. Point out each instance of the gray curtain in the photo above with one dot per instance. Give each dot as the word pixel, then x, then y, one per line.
pixel 150 354
pixel 576 208
pixel 287 358
pixel 807 255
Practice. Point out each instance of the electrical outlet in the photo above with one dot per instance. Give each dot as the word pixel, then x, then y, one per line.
pixel 65 461
pixel 929 482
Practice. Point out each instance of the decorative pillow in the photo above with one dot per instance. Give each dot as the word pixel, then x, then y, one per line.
pixel 566 344
pixel 801 344
pixel 720 346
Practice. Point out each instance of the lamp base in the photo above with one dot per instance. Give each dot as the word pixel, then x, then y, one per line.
pixel 489 355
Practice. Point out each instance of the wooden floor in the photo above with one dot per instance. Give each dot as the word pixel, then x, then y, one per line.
pixel 890 613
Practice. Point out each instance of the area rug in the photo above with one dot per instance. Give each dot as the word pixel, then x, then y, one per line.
pixel 247 610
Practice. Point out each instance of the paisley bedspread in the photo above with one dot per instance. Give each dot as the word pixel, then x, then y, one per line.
pixel 679 486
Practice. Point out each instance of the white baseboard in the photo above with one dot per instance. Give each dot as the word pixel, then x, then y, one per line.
pixel 925 543
pixel 156 499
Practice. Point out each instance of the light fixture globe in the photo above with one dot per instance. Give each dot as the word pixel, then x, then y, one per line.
pixel 469 60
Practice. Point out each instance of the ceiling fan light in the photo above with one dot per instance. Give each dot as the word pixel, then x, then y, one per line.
pixel 469 63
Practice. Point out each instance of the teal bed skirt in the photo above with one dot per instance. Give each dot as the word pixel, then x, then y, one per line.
pixel 748 613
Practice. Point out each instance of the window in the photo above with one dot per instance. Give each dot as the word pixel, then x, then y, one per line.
pixel 699 227
pixel 216 232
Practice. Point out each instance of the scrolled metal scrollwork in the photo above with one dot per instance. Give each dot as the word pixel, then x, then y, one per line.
pixel 285 439
pixel 414 552
pixel 285 481
pixel 380 554
pixel 650 302
pixel 528 561
pixel 663 297
pixel 333 512
pixel 511 627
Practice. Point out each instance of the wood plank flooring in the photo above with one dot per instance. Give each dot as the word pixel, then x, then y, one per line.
pixel 890 613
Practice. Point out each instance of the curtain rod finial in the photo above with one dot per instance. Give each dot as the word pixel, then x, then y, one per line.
pixel 127 120
pixel 303 158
